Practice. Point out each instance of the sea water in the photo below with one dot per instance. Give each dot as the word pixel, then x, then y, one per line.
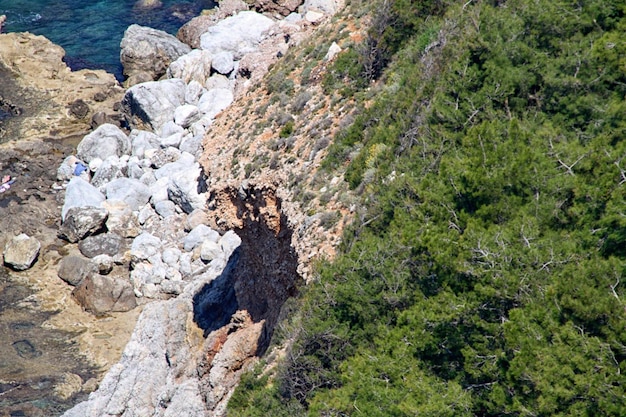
pixel 90 31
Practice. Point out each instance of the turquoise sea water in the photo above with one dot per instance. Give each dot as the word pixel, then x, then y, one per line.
pixel 90 31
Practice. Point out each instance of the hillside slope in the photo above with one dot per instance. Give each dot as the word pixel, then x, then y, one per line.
pixel 479 149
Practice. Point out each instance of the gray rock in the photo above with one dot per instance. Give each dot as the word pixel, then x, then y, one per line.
pixel 81 222
pixel 133 192
pixel 21 252
pixel 149 51
pixel 223 62
pixel 163 157
pixel 105 141
pixel 152 104
pixel 165 208
pixel 196 218
pixel 239 34
pixel 73 269
pixel 329 7
pixel 79 193
pixel 135 170
pixel 158 191
pixel 199 234
pixel 214 101
pixel 102 244
pixel 104 263
pixel 194 66
pixel 142 140
pixel 101 294
pixel 110 169
pixel 122 220
pixel 186 115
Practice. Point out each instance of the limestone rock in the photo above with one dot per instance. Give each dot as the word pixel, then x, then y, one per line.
pixel 210 250
pixel 103 142
pixel 223 62
pixel 214 101
pixel 183 189
pixel 152 104
pixel 186 115
pixel 199 234
pixel 191 31
pixel 81 222
pixel 80 193
pixel 110 169
pixel 144 247
pixel 328 7
pixel 142 140
pixel 102 244
pixel 149 51
pixel 73 269
pixel 101 294
pixel 194 66
pixel 239 34
pixel 21 252
pixel 122 220
pixel 132 192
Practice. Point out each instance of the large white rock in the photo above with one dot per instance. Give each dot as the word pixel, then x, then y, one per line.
pixel 152 104
pixel 199 234
pixel 186 115
pixel 132 192
pixel 194 66
pixel 239 34
pixel 142 140
pixel 79 193
pixel 223 62
pixel 107 140
pixel 214 101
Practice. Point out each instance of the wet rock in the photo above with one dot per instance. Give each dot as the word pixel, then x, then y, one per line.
pixel 152 104
pixel 80 193
pixel 133 192
pixel 107 140
pixel 149 51
pixel 81 222
pixel 101 294
pixel 21 252
pixel 103 244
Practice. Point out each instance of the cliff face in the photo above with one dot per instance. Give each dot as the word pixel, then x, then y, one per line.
pixel 260 164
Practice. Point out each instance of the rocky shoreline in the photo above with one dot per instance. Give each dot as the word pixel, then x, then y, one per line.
pixel 140 226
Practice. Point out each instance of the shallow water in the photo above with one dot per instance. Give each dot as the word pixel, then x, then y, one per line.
pixel 90 31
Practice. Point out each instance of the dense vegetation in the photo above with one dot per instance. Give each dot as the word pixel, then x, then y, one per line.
pixel 485 272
